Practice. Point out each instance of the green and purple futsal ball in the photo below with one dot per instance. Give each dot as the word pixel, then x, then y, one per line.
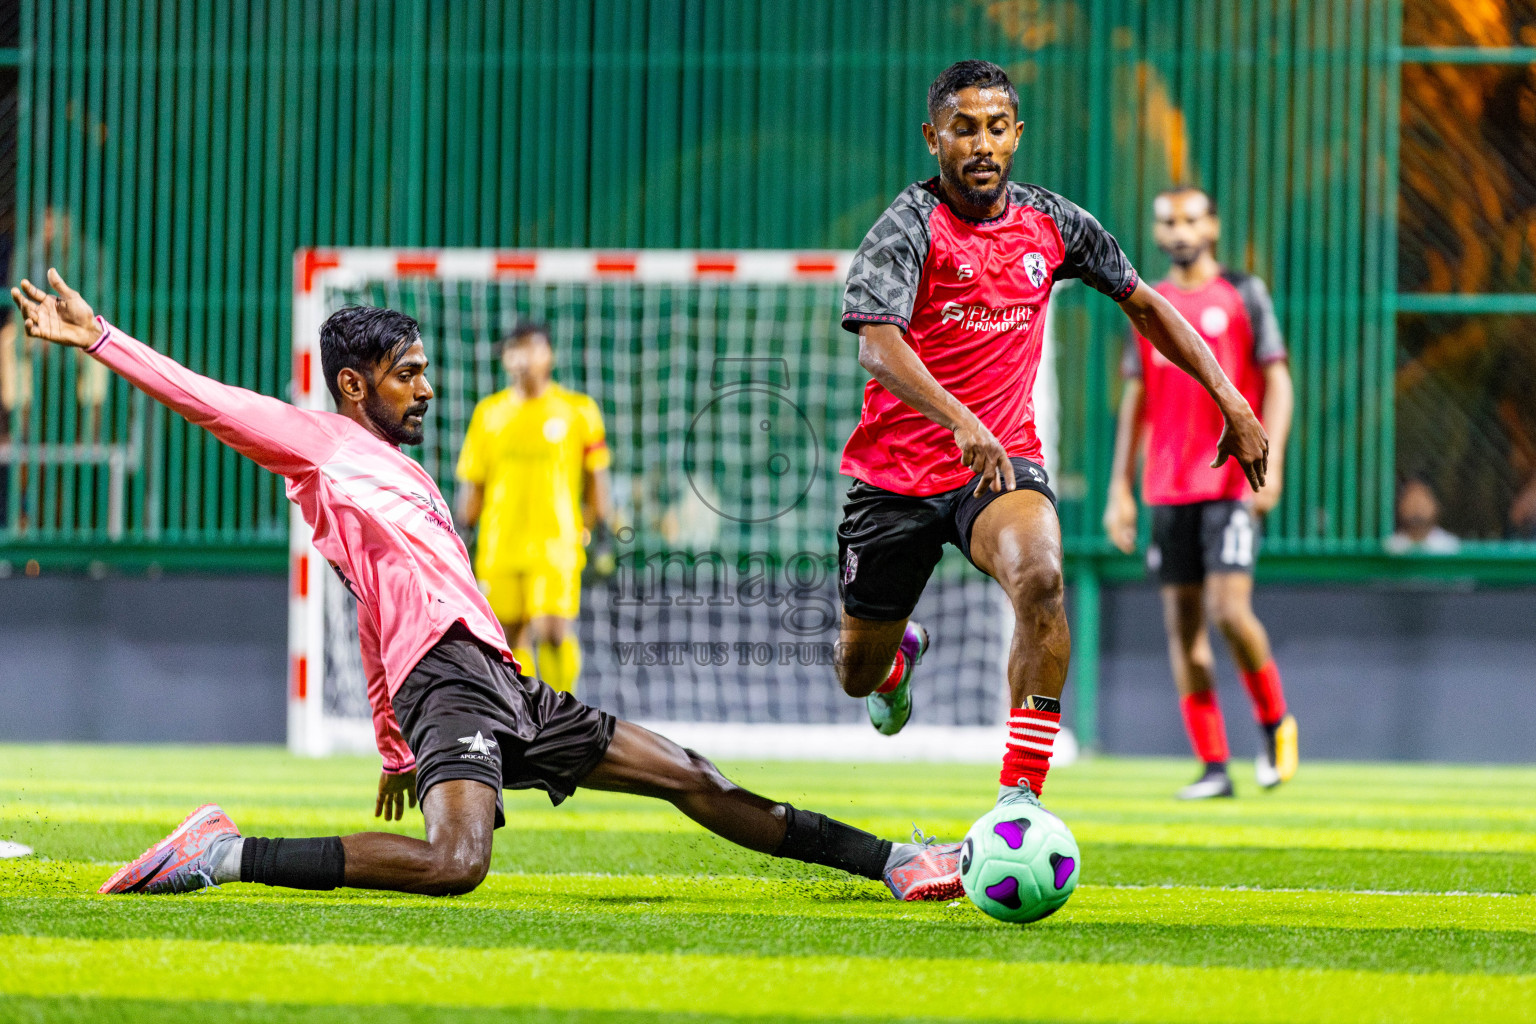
pixel 1019 863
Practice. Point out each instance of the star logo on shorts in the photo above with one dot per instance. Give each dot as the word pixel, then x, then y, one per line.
pixel 478 744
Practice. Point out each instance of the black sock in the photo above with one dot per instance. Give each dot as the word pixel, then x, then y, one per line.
pixel 295 863
pixel 1214 768
pixel 818 839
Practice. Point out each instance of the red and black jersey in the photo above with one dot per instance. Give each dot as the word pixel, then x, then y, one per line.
pixel 970 297
pixel 1234 315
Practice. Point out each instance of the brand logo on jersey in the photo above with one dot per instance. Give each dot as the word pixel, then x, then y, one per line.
pixel 850 566
pixel 977 317
pixel 437 515
pixel 1034 266
pixel 964 272
pixel 477 743
pixel 1214 321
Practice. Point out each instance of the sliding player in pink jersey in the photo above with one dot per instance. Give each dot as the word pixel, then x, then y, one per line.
pixel 1205 535
pixel 947 295
pixel 456 720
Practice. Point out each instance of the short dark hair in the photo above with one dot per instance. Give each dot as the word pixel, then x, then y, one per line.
pixel 360 337
pixel 969 74
pixel 1179 190
pixel 521 330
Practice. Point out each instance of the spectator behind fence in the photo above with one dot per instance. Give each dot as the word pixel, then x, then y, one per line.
pixel 1418 522
pixel 55 242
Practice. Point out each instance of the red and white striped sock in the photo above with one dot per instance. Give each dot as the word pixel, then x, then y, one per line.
pixel 1266 692
pixel 1031 735
pixel 894 679
pixel 1207 730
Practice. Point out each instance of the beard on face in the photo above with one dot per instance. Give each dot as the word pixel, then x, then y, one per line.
pixel 1183 254
pixel 394 427
pixel 982 198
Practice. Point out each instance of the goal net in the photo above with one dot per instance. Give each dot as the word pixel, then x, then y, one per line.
pixel 727 388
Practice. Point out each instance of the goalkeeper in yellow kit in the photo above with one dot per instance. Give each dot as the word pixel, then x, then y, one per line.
pixel 535 472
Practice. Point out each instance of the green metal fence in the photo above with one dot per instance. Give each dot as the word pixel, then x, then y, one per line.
pixel 171 156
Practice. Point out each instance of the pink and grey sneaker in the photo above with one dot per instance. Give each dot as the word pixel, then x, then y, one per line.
pixel 183 861
pixel 924 870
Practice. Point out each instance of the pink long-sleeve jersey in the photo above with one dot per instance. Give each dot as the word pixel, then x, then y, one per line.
pixel 378 517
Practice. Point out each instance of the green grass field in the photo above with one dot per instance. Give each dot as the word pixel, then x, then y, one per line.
pixel 1359 892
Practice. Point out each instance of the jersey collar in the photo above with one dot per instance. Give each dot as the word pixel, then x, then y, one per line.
pixel 932 185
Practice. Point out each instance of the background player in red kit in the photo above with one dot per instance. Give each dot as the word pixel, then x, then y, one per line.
pixel 1203 531
pixel 947 294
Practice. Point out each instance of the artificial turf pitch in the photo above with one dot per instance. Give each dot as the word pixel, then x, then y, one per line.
pixel 1356 893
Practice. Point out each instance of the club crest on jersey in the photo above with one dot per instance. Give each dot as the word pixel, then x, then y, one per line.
pixel 1034 266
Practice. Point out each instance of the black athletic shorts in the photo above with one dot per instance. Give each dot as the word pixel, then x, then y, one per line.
pixel 466 714
pixel 888 543
pixel 1191 541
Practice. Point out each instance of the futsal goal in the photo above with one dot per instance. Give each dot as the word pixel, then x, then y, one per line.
pixel 727 388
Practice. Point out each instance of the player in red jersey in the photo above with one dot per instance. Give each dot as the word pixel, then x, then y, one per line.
pixel 1204 535
pixel 947 294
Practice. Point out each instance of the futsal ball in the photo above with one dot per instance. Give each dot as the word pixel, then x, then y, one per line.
pixel 1019 863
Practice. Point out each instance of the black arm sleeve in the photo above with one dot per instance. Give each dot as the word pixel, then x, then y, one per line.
pixel 1268 343
pixel 884 276
pixel 1092 254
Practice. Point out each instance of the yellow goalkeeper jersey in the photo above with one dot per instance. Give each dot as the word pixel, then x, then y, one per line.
pixel 530 455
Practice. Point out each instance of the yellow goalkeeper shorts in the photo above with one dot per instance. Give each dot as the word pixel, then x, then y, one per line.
pixel 523 596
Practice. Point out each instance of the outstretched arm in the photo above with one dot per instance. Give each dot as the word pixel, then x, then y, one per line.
pixel 1243 439
pixel 270 432
pixel 1120 512
pixel 891 361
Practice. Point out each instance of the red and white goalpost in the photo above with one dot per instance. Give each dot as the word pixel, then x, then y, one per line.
pixel 642 328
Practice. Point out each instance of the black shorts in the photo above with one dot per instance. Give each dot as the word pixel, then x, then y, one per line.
pixel 466 714
pixel 1191 541
pixel 888 543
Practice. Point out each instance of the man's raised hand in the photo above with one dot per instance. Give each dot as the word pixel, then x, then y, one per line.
pixel 65 318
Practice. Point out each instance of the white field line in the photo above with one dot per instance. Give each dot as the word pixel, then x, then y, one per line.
pixel 1351 892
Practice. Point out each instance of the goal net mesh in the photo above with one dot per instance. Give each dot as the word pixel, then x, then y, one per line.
pixel 726 405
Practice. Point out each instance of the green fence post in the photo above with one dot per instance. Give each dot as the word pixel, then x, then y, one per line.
pixel 1085 650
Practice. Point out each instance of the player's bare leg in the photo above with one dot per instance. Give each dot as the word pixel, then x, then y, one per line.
pixel 1017 541
pixel 646 764
pixel 1229 604
pixel 866 650
pixel 460 816
pixel 207 849
pixel 1190 656
pixel 875 660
